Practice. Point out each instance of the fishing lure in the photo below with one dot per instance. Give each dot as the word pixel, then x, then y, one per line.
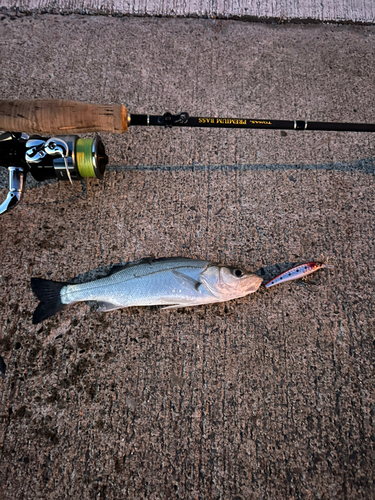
pixel 297 272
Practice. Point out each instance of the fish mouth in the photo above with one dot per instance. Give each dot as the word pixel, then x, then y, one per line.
pixel 254 284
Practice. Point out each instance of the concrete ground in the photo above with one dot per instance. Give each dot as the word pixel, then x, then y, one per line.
pixel 266 397
pixel 348 11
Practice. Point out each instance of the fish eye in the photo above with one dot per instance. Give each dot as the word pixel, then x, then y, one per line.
pixel 238 273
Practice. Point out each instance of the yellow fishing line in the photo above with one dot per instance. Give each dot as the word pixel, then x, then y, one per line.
pixel 84 161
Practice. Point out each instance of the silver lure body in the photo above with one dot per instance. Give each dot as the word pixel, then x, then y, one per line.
pixel 297 272
pixel 173 282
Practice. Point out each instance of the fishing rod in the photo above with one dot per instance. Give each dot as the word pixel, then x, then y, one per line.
pixel 66 156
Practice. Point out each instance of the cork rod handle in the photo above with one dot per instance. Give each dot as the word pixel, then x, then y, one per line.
pixel 54 116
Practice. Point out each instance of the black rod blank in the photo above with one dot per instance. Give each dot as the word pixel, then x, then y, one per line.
pixel 184 120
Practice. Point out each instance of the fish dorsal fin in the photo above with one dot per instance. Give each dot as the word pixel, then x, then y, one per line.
pixel 120 267
pixel 187 280
pixel 116 268
pixel 145 260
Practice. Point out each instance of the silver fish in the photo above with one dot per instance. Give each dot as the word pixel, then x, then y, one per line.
pixel 172 282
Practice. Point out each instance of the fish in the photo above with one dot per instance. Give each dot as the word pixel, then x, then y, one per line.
pixel 297 272
pixel 171 282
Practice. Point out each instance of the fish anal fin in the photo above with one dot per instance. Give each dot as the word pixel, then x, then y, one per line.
pixel 106 306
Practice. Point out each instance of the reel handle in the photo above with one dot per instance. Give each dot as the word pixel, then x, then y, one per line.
pixel 16 188
pixel 57 116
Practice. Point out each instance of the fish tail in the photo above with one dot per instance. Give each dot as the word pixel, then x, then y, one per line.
pixel 48 292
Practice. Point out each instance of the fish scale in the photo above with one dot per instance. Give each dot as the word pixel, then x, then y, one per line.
pixel 143 286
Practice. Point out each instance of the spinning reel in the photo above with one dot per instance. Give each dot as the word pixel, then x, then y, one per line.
pixel 66 157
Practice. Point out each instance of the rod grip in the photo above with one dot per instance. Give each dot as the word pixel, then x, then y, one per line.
pixel 56 116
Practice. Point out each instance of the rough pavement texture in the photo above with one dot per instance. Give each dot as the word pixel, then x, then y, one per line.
pixel 357 11
pixel 269 396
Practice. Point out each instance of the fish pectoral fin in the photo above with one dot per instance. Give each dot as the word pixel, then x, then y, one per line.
pixel 186 280
pixel 106 306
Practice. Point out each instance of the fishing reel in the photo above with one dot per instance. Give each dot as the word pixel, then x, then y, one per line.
pixel 66 157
